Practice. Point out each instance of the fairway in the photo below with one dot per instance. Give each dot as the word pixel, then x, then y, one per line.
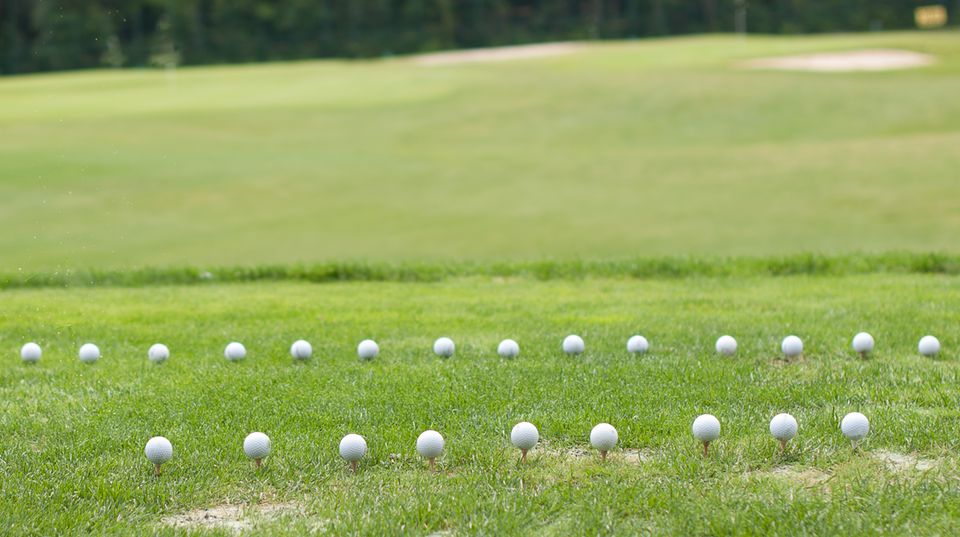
pixel 73 433
pixel 620 149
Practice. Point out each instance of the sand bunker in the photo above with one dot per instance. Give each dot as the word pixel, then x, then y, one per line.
pixel 497 54
pixel 835 62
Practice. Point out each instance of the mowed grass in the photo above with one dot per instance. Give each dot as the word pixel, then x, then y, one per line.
pixel 71 453
pixel 656 147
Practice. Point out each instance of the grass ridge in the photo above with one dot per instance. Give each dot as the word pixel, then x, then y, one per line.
pixel 638 268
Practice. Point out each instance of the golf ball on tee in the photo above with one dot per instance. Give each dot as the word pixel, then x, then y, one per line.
pixel 637 345
pixel 726 345
pixel 89 353
pixel 706 428
pixel 508 348
pixel 855 426
pixel 928 346
pixel 444 347
pixel 429 444
pixel 524 435
pixel 30 352
pixel 573 344
pixel 783 427
pixel 256 446
pixel 604 437
pixel 235 351
pixel 353 447
pixel 368 349
pixel 863 343
pixel 158 353
pixel 791 346
pixel 301 350
pixel 158 450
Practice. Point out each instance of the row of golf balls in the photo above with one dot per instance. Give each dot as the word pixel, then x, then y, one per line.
pixel 444 347
pixel 524 436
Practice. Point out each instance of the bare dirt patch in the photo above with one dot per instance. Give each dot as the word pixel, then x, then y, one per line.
pixel 835 62
pixel 497 54
pixel 900 462
pixel 236 518
pixel 806 477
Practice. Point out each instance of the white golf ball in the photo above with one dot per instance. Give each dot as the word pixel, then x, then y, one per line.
pixel 791 346
pixel 573 345
pixel 158 450
pixel 444 347
pixel 30 352
pixel 855 426
pixel 235 351
pixel 368 349
pixel 726 345
pixel 637 345
pixel 783 427
pixel 256 446
pixel 706 428
pixel 604 437
pixel 353 447
pixel 928 346
pixel 429 444
pixel 158 353
pixel 863 342
pixel 524 435
pixel 89 353
pixel 301 350
pixel 508 348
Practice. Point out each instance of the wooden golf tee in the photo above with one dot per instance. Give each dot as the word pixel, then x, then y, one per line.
pixel 603 455
pixel 433 465
pixel 156 469
pixel 258 462
pixel 783 445
pixel 706 448
pixel 353 466
pixel 523 455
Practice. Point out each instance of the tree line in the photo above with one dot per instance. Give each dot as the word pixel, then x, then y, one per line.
pixel 45 35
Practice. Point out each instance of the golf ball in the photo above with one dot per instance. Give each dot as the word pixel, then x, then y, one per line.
pixel 158 450
pixel 855 426
pixel 726 345
pixel 863 342
pixel 444 347
pixel 637 345
pixel 524 435
pixel 158 353
pixel 783 427
pixel 256 446
pixel 929 346
pixel 604 437
pixel 573 345
pixel 508 348
pixel 429 444
pixel 301 350
pixel 89 353
pixel 235 351
pixel 706 428
pixel 353 447
pixel 792 346
pixel 30 352
pixel 368 349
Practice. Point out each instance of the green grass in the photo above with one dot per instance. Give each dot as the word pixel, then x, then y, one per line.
pixel 648 148
pixel 72 434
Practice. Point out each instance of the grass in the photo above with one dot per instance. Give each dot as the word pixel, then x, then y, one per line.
pixel 648 148
pixel 73 434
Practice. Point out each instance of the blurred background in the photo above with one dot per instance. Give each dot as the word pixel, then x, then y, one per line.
pixel 211 133
pixel 40 35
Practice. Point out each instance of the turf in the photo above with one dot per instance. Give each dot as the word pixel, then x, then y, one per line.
pixel 73 434
pixel 657 147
